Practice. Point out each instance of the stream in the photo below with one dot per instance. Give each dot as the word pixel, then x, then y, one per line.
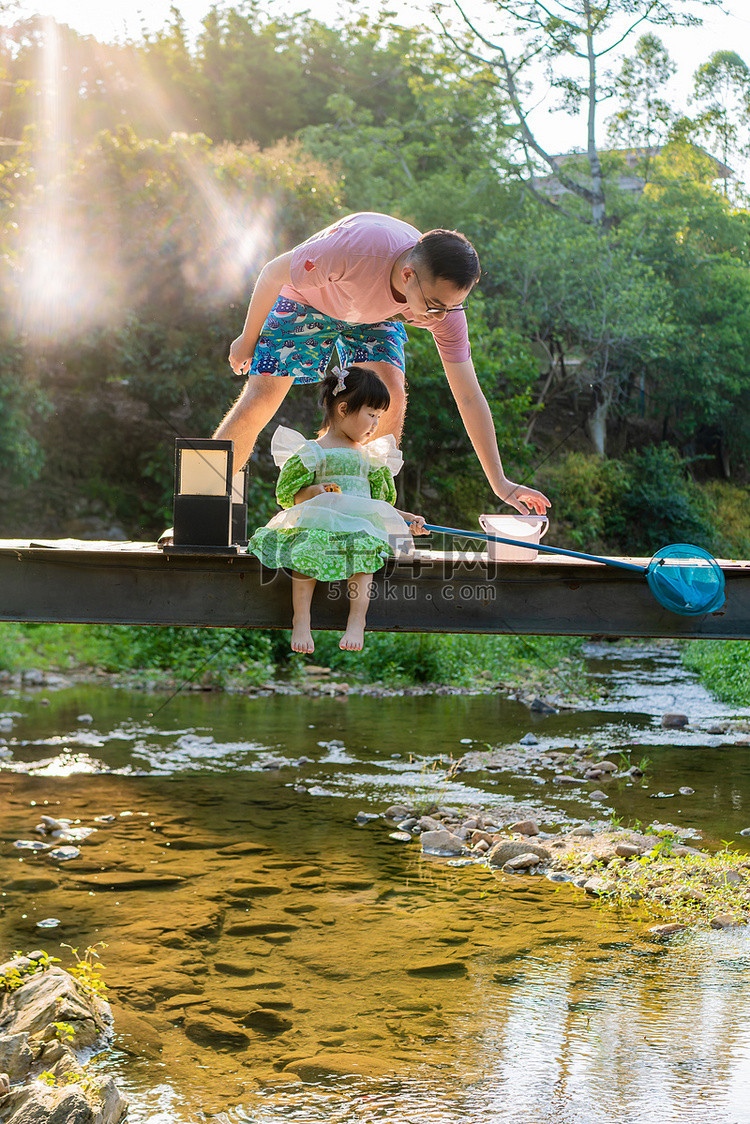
pixel 272 954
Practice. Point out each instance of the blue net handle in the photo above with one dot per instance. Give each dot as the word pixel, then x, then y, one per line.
pixel 536 546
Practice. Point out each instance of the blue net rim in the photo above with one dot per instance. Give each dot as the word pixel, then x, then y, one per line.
pixel 690 591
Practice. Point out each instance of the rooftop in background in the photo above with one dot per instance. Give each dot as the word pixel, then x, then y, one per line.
pixel 629 180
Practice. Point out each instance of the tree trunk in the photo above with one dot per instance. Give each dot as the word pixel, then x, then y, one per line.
pixel 596 422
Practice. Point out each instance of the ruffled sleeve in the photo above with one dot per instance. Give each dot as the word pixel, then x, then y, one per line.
pixel 381 484
pixel 293 476
pixel 285 443
pixel 385 453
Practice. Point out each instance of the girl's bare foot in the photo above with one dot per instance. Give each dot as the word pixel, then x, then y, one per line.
pixel 302 640
pixel 353 639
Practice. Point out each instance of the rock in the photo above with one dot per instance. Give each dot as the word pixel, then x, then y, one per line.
pixel 541 706
pixel 215 1031
pixel 662 931
pixel 606 766
pixel 529 739
pixel 525 827
pixel 443 969
pixel 523 862
pixel 267 1020
pixel 505 850
pixel 429 823
pixel 598 795
pixel 42 1104
pixel 563 778
pixel 716 729
pixel 402 836
pixel 15 1056
pixel 442 842
pixel 329 1064
pixel 397 812
pixel 583 830
pixel 599 886
pixel 687 791
pixel 674 720
pixel 87 718
pixel 627 850
pixel 725 921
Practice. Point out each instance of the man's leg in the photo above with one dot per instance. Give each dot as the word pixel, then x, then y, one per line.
pixel 392 420
pixel 260 399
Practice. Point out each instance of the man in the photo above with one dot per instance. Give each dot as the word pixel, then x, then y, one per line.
pixel 353 286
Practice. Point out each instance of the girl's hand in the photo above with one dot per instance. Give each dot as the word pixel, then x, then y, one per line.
pixel 309 493
pixel 522 499
pixel 416 522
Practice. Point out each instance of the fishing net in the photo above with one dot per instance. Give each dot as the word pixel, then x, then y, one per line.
pixel 686 579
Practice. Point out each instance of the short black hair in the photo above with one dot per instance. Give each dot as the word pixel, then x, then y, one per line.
pixel 362 387
pixel 447 255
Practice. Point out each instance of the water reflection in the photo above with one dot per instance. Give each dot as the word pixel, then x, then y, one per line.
pixel 270 960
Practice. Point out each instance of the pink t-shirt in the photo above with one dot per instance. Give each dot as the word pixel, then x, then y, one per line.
pixel 344 271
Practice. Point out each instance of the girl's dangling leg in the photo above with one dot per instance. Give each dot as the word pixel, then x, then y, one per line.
pixel 303 588
pixel 358 586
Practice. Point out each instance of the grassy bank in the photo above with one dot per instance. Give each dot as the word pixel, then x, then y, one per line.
pixel 225 658
pixel 723 666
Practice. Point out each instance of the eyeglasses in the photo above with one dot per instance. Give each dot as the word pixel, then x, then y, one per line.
pixel 434 308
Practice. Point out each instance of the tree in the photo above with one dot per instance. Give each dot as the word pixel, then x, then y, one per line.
pixel 572 38
pixel 722 87
pixel 644 117
pixel 585 295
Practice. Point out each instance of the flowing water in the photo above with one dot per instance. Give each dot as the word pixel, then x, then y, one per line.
pixel 270 959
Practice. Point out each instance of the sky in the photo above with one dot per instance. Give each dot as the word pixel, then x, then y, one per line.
pixel 689 47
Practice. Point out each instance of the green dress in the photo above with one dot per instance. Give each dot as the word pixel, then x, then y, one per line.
pixel 337 534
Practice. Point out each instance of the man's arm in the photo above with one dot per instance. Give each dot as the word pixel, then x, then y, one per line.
pixel 273 277
pixel 477 418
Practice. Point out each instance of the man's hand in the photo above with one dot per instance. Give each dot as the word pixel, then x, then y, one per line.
pixel 522 499
pixel 240 356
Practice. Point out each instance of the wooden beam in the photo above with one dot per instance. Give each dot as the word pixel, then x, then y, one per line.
pixel 136 583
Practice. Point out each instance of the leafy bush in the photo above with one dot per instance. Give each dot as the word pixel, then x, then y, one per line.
pixel 636 505
pixel 459 659
pixel 724 667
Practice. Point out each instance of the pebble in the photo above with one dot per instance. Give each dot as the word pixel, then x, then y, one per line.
pixel 441 842
pixel 583 829
pixel 745 831
pixel 667 930
pixel 627 850
pixel 687 791
pixel 64 854
pixel 598 795
pixel 541 706
pixel 563 778
pixel 366 817
pixel 529 739
pixel 400 836
pixel 523 862
pixel 85 718
pixel 674 720
pixel 48 923
pixel 724 921
pixel 30 845
pixel 525 827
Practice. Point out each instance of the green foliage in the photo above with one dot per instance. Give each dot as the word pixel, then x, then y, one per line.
pixel 87 970
pixel 461 659
pixel 724 668
pixel 211 656
pixel 659 505
pixel 639 504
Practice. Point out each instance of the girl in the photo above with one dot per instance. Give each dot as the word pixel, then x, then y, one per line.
pixel 338 493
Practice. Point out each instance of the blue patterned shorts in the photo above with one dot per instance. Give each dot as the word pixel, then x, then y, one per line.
pixel 297 341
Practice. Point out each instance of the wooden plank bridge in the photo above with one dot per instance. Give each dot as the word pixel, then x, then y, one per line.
pixel 68 580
